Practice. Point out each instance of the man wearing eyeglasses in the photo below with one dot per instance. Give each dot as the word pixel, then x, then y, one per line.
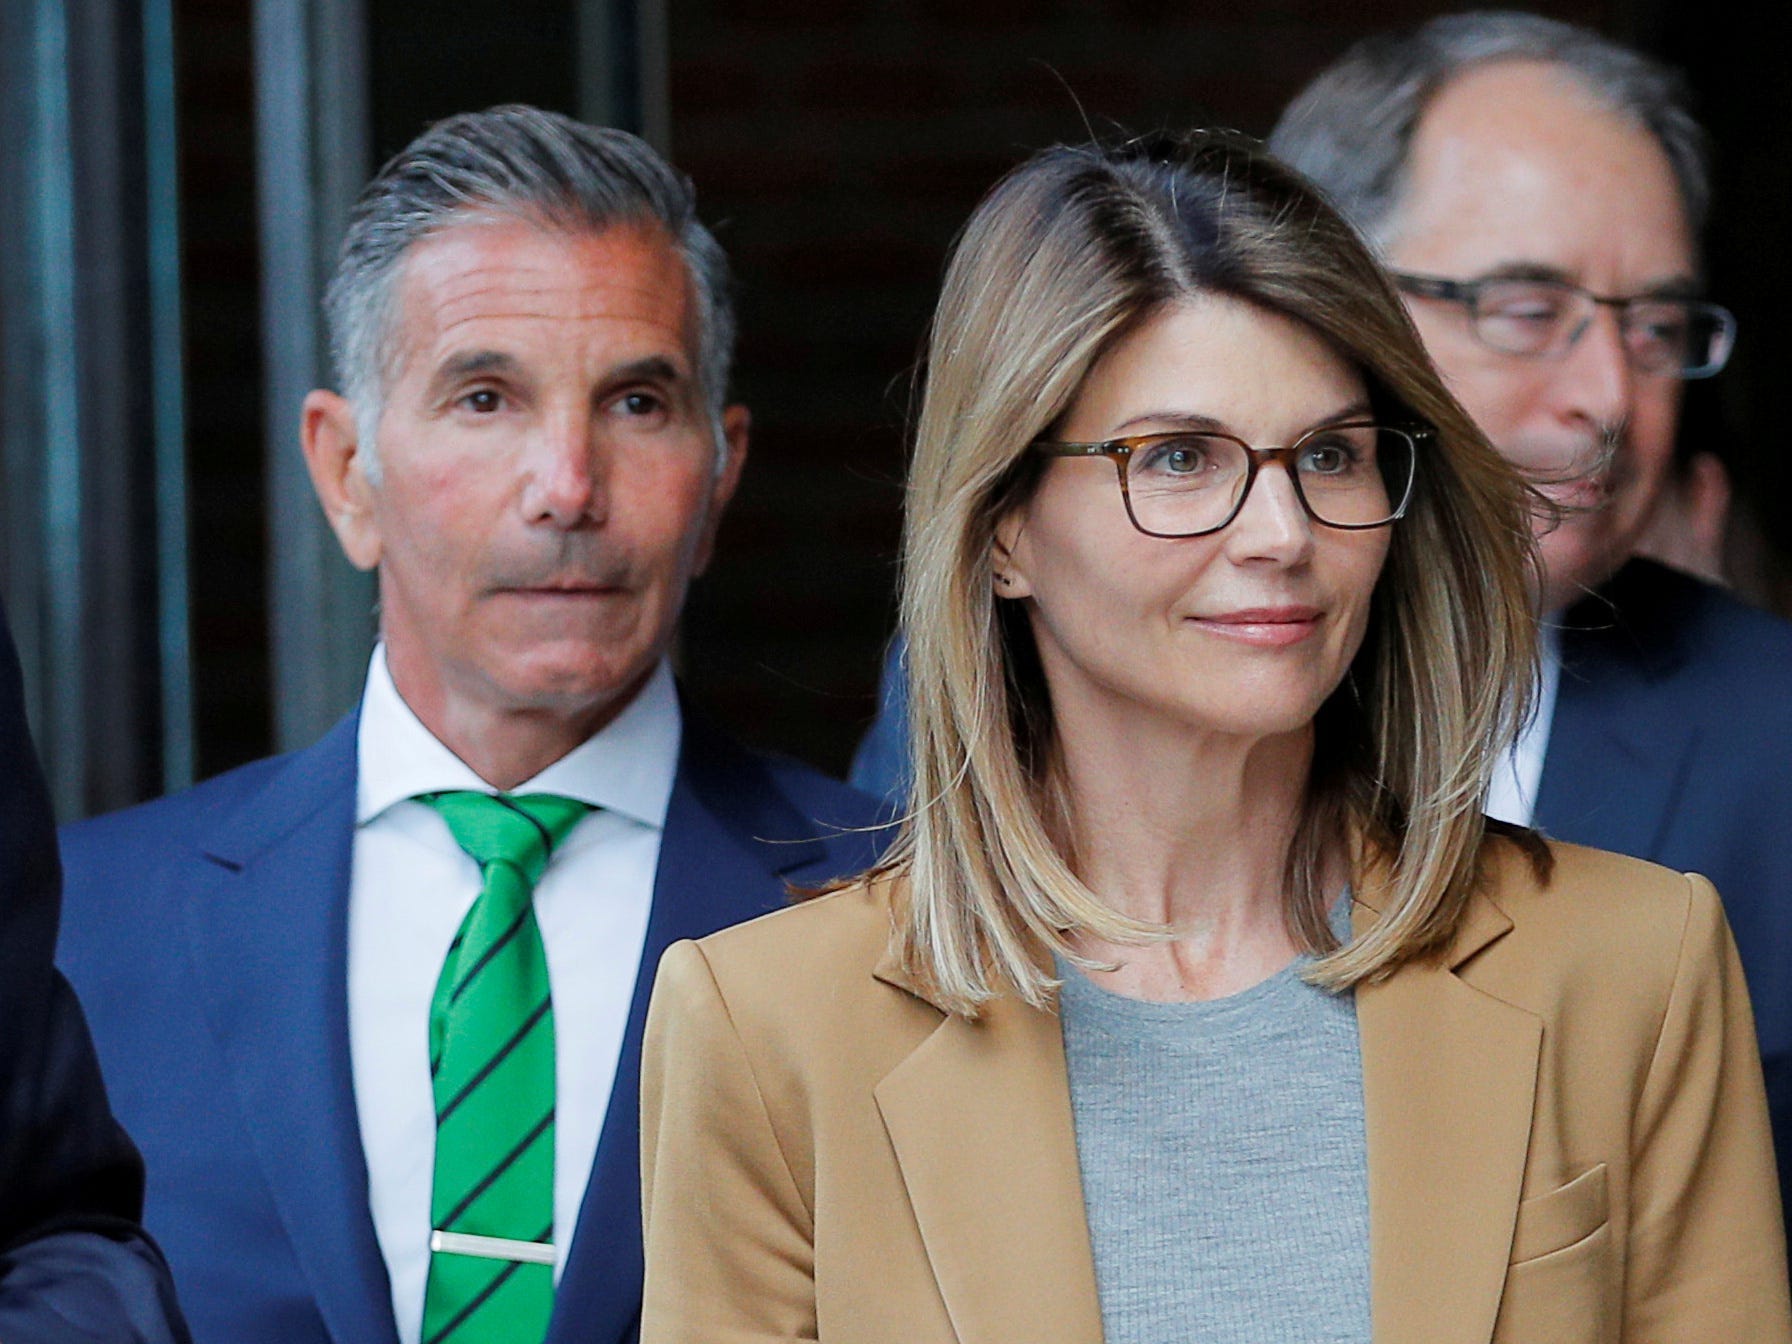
pixel 1538 193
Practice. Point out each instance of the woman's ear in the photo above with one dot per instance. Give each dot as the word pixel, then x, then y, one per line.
pixel 1009 557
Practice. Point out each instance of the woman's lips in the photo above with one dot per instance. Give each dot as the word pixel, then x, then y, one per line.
pixel 1263 627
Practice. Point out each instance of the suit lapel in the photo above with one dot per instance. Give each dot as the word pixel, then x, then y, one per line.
pixel 1614 766
pixel 268 921
pixel 1003 1221
pixel 1615 762
pixel 1449 1081
pixel 730 836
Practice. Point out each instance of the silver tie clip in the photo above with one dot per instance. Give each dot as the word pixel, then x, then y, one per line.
pixel 493 1248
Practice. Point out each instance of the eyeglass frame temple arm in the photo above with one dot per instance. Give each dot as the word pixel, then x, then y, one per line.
pixel 1437 287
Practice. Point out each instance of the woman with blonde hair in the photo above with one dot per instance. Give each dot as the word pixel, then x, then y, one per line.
pixel 1197 999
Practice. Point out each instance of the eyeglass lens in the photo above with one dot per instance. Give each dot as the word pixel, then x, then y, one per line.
pixel 1666 335
pixel 1348 476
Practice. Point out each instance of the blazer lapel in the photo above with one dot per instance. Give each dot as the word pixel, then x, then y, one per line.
pixel 730 835
pixel 1449 1080
pixel 1002 1219
pixel 268 922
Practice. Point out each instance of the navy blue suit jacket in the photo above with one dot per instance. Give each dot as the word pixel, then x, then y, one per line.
pixel 208 932
pixel 74 1264
pixel 1672 741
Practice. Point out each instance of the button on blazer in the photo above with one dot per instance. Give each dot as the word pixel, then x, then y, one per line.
pixel 1567 1134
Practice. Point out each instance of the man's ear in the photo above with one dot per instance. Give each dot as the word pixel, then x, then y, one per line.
pixel 338 470
pixel 737 421
pixel 1010 555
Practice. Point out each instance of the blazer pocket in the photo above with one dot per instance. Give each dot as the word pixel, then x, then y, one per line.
pixel 1556 1220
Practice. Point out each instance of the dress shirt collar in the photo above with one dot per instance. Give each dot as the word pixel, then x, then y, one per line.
pixel 1518 775
pixel 626 768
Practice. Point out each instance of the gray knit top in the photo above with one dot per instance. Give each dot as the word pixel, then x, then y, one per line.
pixel 1223 1162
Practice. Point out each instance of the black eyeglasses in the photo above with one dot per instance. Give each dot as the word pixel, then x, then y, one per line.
pixel 1686 338
pixel 1352 475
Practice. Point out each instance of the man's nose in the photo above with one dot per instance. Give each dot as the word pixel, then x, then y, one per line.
pixel 1272 524
pixel 567 474
pixel 1595 382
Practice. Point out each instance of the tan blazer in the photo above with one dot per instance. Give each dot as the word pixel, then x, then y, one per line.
pixel 1567 1136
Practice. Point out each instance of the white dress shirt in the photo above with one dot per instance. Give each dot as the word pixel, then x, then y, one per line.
pixel 411 887
pixel 1512 795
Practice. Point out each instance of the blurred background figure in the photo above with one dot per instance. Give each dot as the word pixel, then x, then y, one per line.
pixel 1539 193
pixel 74 1264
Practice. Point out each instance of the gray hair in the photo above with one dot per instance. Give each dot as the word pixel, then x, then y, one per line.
pixel 1351 129
pixel 521 162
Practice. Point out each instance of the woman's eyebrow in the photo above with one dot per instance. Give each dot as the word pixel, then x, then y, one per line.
pixel 1360 409
pixel 1197 422
pixel 1192 420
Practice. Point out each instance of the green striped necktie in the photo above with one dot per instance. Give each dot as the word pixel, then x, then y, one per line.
pixel 491 1059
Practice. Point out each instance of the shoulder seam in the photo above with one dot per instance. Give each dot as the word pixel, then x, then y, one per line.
pixel 746 1059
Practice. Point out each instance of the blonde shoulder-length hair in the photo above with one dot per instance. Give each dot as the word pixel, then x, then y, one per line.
pixel 1066 253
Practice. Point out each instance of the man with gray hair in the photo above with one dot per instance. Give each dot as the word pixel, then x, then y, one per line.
pixel 374 1009
pixel 1538 193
